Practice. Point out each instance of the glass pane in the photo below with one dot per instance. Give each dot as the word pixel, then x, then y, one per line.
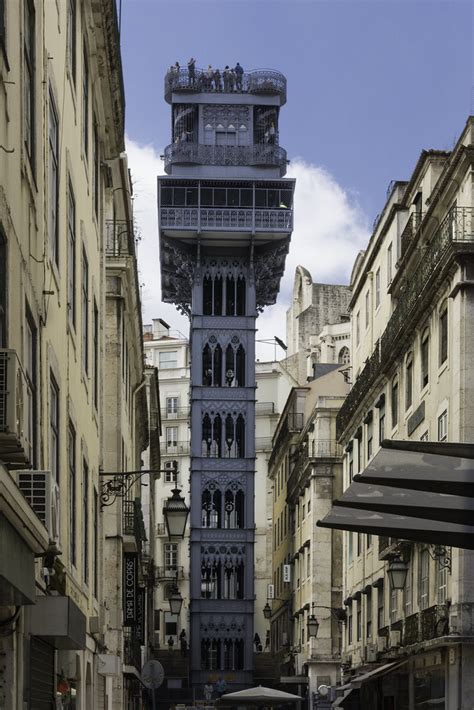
pixel 166 196
pixel 191 196
pixel 286 197
pixel 179 196
pixel 260 198
pixel 246 198
pixel 206 197
pixel 233 198
pixel 219 197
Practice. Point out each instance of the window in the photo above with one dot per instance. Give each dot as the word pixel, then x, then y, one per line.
pixel 344 357
pixel 394 402
pixel 367 309
pixel 380 607
pixel 168 360
pixel 389 264
pixel 393 605
pixel 71 224
pixel 171 407
pixel 3 291
pixel 72 492
pixel 381 423
pixel 31 346
pixel 308 563
pixel 424 578
pixel 95 513
pixel 442 574
pixel 359 622
pixel 85 521
pixel 85 102
pixel 171 472
pixel 425 346
pixel 443 334
pixel 408 591
pixel 71 38
pixel 424 436
pixel 53 180
pixel 409 382
pixel 359 544
pixel 170 553
pixel 443 426
pixel 54 427
pixel 350 547
pixel 95 350
pixel 349 625
pixel 370 436
pixel 171 438
pixel 85 312
pixel 350 460
pixel 369 541
pixel 358 328
pixel 377 288
pixel 368 614
pixel 29 98
pixel 96 168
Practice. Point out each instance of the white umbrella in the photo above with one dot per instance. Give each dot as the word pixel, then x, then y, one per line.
pixel 259 696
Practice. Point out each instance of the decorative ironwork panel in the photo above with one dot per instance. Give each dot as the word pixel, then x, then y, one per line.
pixel 220 627
pixel 411 631
pixel 434 622
pixel 184 153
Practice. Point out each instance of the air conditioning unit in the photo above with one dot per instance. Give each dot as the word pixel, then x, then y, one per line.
pixel 286 573
pixel 381 644
pixel 13 400
pixel 270 591
pixel 394 639
pixel 42 493
pixel 370 653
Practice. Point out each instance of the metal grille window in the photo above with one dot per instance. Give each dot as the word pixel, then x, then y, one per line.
pixel 85 312
pixel 409 381
pixel 377 288
pixel 85 102
pixel 443 426
pixel 168 360
pixel 72 492
pixel 424 578
pixel 443 334
pixel 54 427
pixel 424 359
pixel 71 272
pixel 29 98
pixel 53 179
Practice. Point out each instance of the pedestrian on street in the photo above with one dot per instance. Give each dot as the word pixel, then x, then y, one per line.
pixel 221 686
pixel 208 690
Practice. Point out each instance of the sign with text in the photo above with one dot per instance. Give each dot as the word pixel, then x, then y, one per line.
pixel 140 627
pixel 130 588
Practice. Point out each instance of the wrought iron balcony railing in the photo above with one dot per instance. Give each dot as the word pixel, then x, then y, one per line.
pixel 411 630
pixel 263 443
pixel 456 232
pixel 242 155
pixel 133 523
pixel 227 218
pixel 408 234
pixel 132 655
pixel 324 448
pixel 434 622
pixel 119 238
pixel 179 448
pixel 259 81
pixel 169 572
pixel 176 413
pixel 264 408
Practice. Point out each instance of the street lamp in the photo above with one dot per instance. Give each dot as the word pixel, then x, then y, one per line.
pixel 312 626
pixel 267 611
pixel 175 513
pixel 397 573
pixel 176 601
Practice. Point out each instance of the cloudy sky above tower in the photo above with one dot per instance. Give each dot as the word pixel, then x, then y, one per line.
pixel 370 84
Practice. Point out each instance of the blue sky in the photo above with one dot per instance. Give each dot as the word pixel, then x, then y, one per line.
pixel 369 83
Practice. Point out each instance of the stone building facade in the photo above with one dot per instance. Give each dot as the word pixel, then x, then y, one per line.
pixel 412 379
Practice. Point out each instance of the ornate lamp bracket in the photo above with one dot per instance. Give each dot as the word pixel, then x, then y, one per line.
pixel 442 555
pixel 119 483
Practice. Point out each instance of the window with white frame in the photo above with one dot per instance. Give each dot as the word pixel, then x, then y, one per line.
pixel 358 328
pixel 408 591
pixel 443 426
pixel 424 578
pixel 171 407
pixel 377 288
pixel 168 359
pixel 425 358
pixel 442 574
pixel 171 471
pixel 367 309
pixel 394 402
pixel 443 333
pixel 393 605
pixel 171 438
pixel 170 554
pixel 389 264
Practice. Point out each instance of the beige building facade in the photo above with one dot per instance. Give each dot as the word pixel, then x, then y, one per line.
pixel 412 380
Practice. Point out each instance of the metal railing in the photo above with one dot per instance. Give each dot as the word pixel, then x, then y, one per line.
pixel 264 408
pixel 119 238
pixel 178 448
pixel 325 448
pixel 133 523
pixel 411 630
pixel 132 655
pixel 200 154
pixel 227 218
pixel 434 622
pixel 263 443
pixel 258 81
pixel 408 234
pixel 456 230
pixel 177 413
pixel 169 572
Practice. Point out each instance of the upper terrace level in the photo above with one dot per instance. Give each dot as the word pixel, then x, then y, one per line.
pixel 258 82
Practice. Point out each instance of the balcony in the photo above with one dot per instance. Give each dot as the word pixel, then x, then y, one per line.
pixel 119 239
pixel 169 573
pixel 16 401
pixel 408 235
pixel 263 443
pixel 455 235
pixel 229 155
pixel 411 631
pixel 324 449
pixel 174 448
pixel 260 81
pixel 132 653
pixel 176 413
pixel 263 408
pixel 434 622
pixel 226 219
pixel 133 523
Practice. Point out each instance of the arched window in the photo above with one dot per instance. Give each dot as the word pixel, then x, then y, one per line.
pixel 233 587
pixel 210 654
pixel 212 295
pixel 211 580
pixel 207 296
pixel 211 508
pixel 212 364
pixel 235 364
pixel 233 654
pixel 235 296
pixel 211 436
pixel 425 358
pixel 234 436
pixel 234 509
pixel 443 332
pixel 344 357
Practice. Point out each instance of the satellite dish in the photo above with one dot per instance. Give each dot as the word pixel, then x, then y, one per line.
pixel 323 690
pixel 152 674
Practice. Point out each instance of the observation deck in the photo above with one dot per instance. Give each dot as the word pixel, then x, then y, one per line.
pixel 260 82
pixel 228 155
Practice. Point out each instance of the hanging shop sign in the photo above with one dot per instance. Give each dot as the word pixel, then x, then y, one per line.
pixel 130 589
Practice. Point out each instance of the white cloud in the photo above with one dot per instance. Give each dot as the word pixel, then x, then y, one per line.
pixel 330 229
